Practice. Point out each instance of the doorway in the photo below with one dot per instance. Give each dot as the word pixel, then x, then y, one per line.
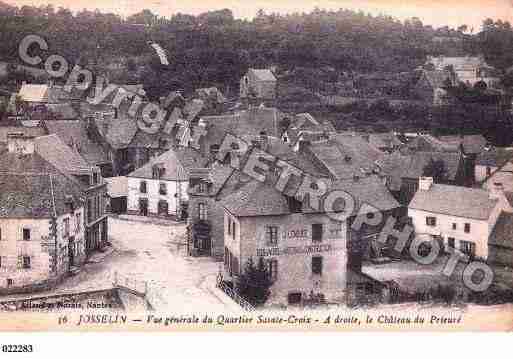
pixel 143 206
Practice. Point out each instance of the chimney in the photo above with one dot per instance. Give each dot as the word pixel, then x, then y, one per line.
pixel 425 183
pixel 20 143
pixel 496 190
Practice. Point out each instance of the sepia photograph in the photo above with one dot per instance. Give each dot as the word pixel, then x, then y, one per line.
pixel 214 166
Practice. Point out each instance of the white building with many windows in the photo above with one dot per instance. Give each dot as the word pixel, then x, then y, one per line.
pixel 159 188
pixel 463 218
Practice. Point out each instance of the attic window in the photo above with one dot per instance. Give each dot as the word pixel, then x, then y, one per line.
pixel 157 171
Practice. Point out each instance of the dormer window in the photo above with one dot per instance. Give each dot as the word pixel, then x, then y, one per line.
pixel 158 171
pixel 202 187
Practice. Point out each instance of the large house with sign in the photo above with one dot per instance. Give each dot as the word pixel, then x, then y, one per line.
pixel 309 253
pixel 305 252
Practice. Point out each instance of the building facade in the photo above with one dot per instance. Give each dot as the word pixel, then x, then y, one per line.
pixel 461 218
pixel 42 224
pixel 258 84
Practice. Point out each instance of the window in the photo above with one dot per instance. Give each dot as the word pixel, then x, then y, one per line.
pixel 10 282
pixel 271 235
pixel 467 228
pixel 162 189
pixel 202 212
pixel 317 265
pixel 233 229
pixel 95 178
pixel 450 242
pixel 89 209
pixel 273 269
pixel 229 225
pixel 0 262
pixel 0 234
pixel 317 232
pixel 488 171
pixel 26 234
pixel 431 221
pixel 157 172
pixel 454 226
pixel 202 187
pixel 65 224
pixel 77 222
pixel 142 187
pixel 23 262
pixel 26 262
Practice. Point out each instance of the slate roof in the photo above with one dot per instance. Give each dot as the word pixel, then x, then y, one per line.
pixel 494 157
pixel 455 201
pixel 121 131
pixel 256 199
pixel 502 233
pixel 420 160
pixel 34 93
pixel 54 150
pixel 472 144
pixel 241 123
pixel 345 156
pixel 383 140
pixel 74 133
pixel 28 131
pixel 262 74
pixel 304 125
pixel 62 111
pixel 437 78
pixel 431 143
pixel 34 188
pixel 210 93
pixel 369 190
pixel 259 199
pixel 176 162
pixel 459 62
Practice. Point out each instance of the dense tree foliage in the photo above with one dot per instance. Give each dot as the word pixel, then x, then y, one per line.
pixel 216 48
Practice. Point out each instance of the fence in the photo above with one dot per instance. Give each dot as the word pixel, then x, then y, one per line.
pixel 237 298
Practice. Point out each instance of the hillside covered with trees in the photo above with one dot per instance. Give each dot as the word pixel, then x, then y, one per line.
pixel 214 48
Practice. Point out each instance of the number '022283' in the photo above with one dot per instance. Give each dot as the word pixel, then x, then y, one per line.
pixel 17 348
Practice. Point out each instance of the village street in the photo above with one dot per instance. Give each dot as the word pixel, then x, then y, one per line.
pixel 154 253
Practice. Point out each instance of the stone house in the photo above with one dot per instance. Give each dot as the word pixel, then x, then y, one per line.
pixel 258 85
pixel 90 180
pixel 42 220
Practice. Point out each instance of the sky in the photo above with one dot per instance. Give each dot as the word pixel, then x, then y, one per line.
pixel 432 12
